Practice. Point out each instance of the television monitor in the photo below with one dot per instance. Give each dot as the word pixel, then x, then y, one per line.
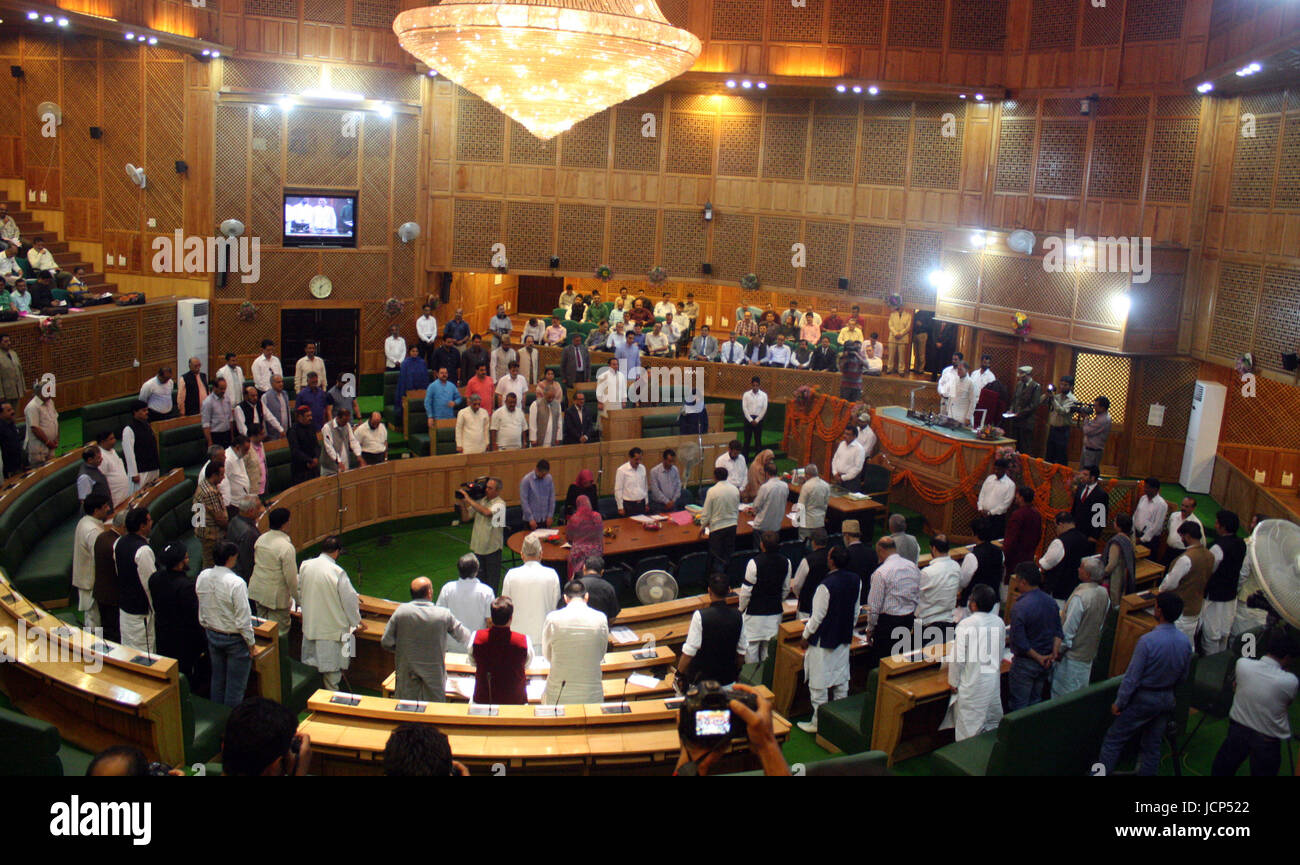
pixel 315 218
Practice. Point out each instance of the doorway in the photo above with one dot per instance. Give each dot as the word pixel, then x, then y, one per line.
pixel 539 294
pixel 336 332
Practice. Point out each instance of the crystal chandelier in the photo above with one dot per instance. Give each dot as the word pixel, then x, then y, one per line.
pixel 549 63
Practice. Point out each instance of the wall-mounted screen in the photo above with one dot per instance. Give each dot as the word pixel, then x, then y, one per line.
pixel 320 218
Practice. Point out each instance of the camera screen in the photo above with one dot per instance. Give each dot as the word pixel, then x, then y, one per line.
pixel 713 722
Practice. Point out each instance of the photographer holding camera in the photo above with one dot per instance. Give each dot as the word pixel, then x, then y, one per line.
pixel 1096 429
pixel 483 496
pixel 1059 418
pixel 711 716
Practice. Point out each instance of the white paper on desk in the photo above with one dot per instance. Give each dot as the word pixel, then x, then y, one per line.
pixel 543 534
pixel 623 634
pixel 857 497
pixel 462 685
pixel 535 688
pixel 790 605
pixel 796 516
pixel 539 666
pixel 641 680
pixel 706 531
pixel 747 506
pixel 643 519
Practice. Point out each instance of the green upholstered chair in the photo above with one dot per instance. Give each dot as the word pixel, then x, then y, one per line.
pixel 203 723
pixel 298 681
pixel 28 746
pixel 847 722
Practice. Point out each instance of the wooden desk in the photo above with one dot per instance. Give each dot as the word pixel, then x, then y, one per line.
pixel 96 692
pixel 350 739
pixel 264 677
pixel 848 508
pixel 634 538
pixel 911 700
pixel 625 423
pixel 615 667
pixel 1136 617
pixel 790 655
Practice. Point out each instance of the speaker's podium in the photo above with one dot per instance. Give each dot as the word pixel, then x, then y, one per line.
pixel 1137 616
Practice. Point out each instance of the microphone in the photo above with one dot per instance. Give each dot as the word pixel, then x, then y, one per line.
pixel 489 684
pixel 560 693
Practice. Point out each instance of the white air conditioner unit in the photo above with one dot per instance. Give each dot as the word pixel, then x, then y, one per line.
pixel 1203 436
pixel 191 333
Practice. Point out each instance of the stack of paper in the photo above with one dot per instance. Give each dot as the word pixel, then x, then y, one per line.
pixel 462 685
pixel 623 635
pixel 535 688
pixel 640 680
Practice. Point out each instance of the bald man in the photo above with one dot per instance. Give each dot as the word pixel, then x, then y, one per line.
pixel 373 438
pixel 417 632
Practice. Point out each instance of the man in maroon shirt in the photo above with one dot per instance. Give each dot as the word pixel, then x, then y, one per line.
pixel 501 657
pixel 1023 531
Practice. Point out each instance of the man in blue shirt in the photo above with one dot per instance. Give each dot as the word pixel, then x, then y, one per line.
pixel 456 332
pixel 629 358
pixel 1146 696
pixel 440 398
pixel 314 398
pixel 1035 639
pixel 537 496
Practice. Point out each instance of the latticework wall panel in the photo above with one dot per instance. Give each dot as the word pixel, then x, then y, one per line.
pixel 785 143
pixel 529 233
pixel 230 158
pixel 118 340
pixel 406 169
pixel 324 11
pixel 632 235
pixel 678 12
pixel 690 143
pixel 375 13
pixel 121 86
pixel 158 337
pixel 1102 25
pixel 1242 414
pixel 790 23
pixel 696 103
pixel 1268 102
pixel 738 20
pixel 922 253
pixel 1178 106
pixel 375 224
pixel 1047 292
pixel 266 209
pixel 1168 382
pixel 1286 194
pixel 267 76
pixel 1156 303
pixel 476 226
pixel 1253 165
pixel 916 24
pixel 80 110
pixel 528 149
pixel 856 22
pixel 1052 25
pixel 773 261
pixel 75 346
pixel 354 274
pixel 1061 107
pixel 733 245
pixel 685 243
pixel 285 275
pixel 402 266
pixel 978 25
pixel 965 270
pixel 1061 152
pixel 272 8
pixel 834 149
pixel 1235 303
pixel 1173 160
pixel 1116 165
pixel 632 150
pixel 1004 280
pixel 1096 295
pixel 41 82
pixel 480 129
pixel 1153 20
pixel 1122 106
pixel 876 250
pixel 1103 375
pixel 1015 155
pixel 245 337
pixel 1279 309
pixel 586 145
pixel 740 145
pixel 788 105
pixel 936 157
pixel 828 245
pixel 580 242
pixel 883 152
pixel 164 143
pixel 319 154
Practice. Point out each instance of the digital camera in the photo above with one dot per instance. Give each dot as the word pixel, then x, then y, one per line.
pixel 706 718
pixel 475 489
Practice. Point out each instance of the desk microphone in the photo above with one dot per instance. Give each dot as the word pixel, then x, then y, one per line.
pixel 563 682
pixel 489 684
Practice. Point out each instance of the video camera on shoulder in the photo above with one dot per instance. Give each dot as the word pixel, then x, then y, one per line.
pixel 475 489
pixel 706 718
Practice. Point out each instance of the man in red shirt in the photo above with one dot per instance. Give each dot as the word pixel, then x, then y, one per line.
pixel 1024 529
pixel 482 384
pixel 501 658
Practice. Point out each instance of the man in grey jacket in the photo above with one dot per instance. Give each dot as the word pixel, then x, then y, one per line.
pixel 417 632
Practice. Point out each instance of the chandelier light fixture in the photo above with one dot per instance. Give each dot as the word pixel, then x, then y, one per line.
pixel 549 63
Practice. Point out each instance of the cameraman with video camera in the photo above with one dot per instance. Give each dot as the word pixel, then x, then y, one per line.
pixel 1059 417
pixel 483 496
pixel 1096 430
pixel 712 716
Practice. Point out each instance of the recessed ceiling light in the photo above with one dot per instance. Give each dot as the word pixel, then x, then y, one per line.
pixel 216 53
pixel 1205 87
pixel 840 88
pixel 979 97
pixel 731 84
pixel 873 90
pixel 32 16
pixel 385 110
pixel 857 88
pixel 63 22
pixel 153 40
pixel 746 84
pixel 962 96
pixel 48 19
pixel 130 37
pixel 762 85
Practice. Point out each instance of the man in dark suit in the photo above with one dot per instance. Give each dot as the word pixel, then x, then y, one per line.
pixel 304 448
pixel 600 594
pixel 863 560
pixel 579 422
pixel 575 363
pixel 1090 503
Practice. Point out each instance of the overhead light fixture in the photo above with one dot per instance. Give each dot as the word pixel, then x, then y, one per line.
pixel 873 90
pixel 549 64
pixel 286 104
pixel 857 88
pixel 746 84
pixel 48 19
pixel 1009 104
pixel 940 280
pixel 1120 305
pixel 762 85
pixel 1205 87
pixel 978 239
pixel 216 54
pixel 384 110
pixel 979 97
pixel 207 53
pixel 840 88
pixel 1249 70
pixel 32 16
pixel 731 84
pixel 433 73
pixel 63 22
pixel 130 37
pixel 153 40
pixel 962 96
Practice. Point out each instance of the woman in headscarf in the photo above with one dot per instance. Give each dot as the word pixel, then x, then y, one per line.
pixel 756 476
pixel 585 532
pixel 412 375
pixel 584 485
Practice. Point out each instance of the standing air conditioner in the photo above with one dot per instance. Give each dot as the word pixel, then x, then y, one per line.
pixel 1203 436
pixel 191 333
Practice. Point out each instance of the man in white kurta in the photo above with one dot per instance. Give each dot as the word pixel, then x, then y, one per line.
pixel 508 425
pixel 472 427
pixel 961 404
pixel 835 607
pixel 119 482
pixel 89 528
pixel 975 669
pixel 846 465
pixel 469 599
pixel 331 611
pixel 534 588
pixel 574 640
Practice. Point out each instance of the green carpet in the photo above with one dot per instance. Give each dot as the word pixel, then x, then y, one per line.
pixel 384 566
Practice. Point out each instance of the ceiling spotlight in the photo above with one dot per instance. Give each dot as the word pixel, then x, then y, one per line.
pixel 216 54
pixel 979 97
pixel 32 16
pixel 207 52
pixel 977 238
pixel 130 37
pixel 433 73
pixel 63 22
pixel 746 84
pixel 286 104
pixel 153 40
pixel 873 90
pixel 857 88
pixel 1119 306
pixel 962 96
pixel 1205 87
pixel 840 88
pixel 385 110
pixel 731 84
pixel 940 280
pixel 48 19
pixel 1249 70
pixel 1009 104
pixel 762 85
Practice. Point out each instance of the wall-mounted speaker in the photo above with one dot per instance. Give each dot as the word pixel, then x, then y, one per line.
pixel 96 132
pixel 1290 362
pixel 16 71
pixel 844 283
pixel 555 262
pixel 181 167
pixel 706 268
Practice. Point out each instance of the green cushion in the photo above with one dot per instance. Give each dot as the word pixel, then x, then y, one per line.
pixel 298 681
pixel 76 762
pixel 28 746
pixel 446 443
pixel 967 757
pixel 847 723
pixel 418 443
pixel 111 415
pixel 182 447
pixel 203 723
